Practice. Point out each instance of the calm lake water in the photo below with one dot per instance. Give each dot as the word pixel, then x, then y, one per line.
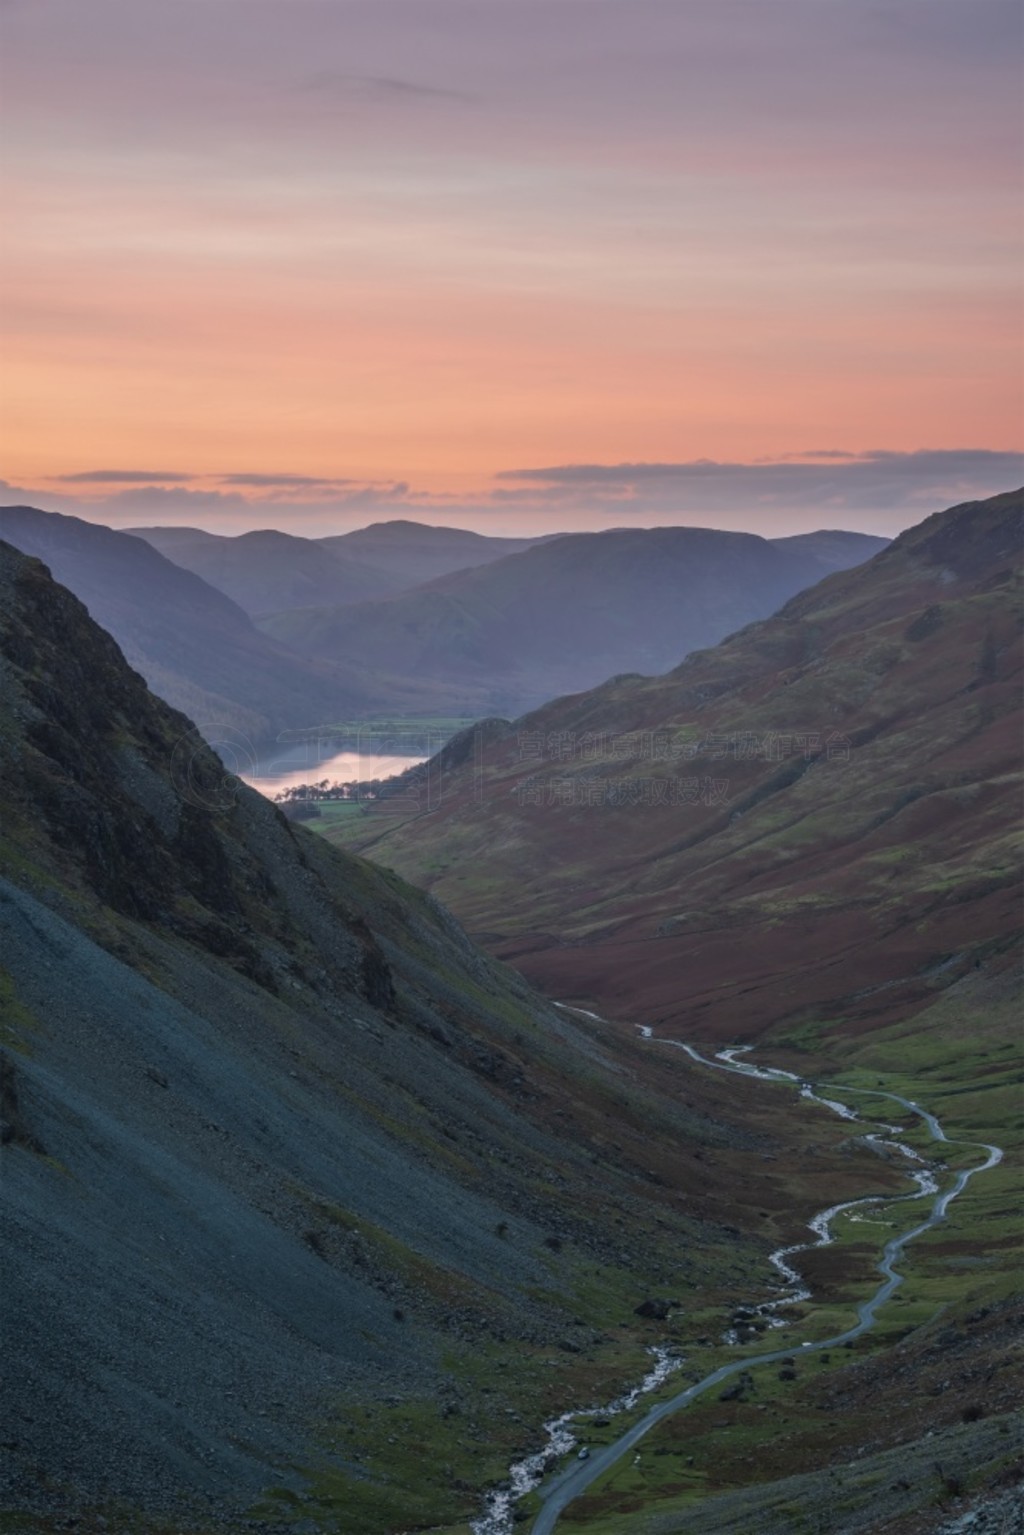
pixel 294 765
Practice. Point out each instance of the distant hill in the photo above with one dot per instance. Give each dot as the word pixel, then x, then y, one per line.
pixel 267 571
pixel 194 646
pixel 410 553
pixel 807 821
pixel 833 548
pixel 568 612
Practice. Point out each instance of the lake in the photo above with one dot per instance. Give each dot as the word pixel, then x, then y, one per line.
pixel 289 766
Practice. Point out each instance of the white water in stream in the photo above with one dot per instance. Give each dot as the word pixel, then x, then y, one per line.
pixel 498 1517
pixel 528 1473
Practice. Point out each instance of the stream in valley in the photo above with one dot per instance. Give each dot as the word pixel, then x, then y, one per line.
pixel 560 1489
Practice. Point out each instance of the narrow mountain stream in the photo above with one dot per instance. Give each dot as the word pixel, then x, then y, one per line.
pixel 527 1475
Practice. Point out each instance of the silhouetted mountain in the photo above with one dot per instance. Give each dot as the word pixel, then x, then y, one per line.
pixel 267 571
pixel 410 553
pixel 194 646
pixel 564 614
pixel 833 548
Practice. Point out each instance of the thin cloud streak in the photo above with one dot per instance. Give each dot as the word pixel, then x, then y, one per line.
pixel 895 485
pixel 362 88
pixel 124 477
pixel 288 481
pixel 881 492
pixel 922 464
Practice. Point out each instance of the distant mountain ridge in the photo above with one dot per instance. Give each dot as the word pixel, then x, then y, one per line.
pixel 268 570
pixel 568 612
pixel 412 553
pixel 833 548
pixel 492 636
pixel 194 646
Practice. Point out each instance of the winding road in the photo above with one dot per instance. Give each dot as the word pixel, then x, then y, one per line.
pixel 565 1486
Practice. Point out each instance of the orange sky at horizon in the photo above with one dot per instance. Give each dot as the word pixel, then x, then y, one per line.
pixel 344 251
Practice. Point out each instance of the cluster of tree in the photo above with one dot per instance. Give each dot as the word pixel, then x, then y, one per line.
pixel 310 794
pixel 325 789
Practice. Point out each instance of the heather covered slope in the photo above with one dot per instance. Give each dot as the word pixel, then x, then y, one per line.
pixel 295 1179
pixel 566 613
pixel 822 811
pixel 194 646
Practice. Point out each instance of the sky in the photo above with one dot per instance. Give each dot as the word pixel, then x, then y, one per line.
pixel 510 265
